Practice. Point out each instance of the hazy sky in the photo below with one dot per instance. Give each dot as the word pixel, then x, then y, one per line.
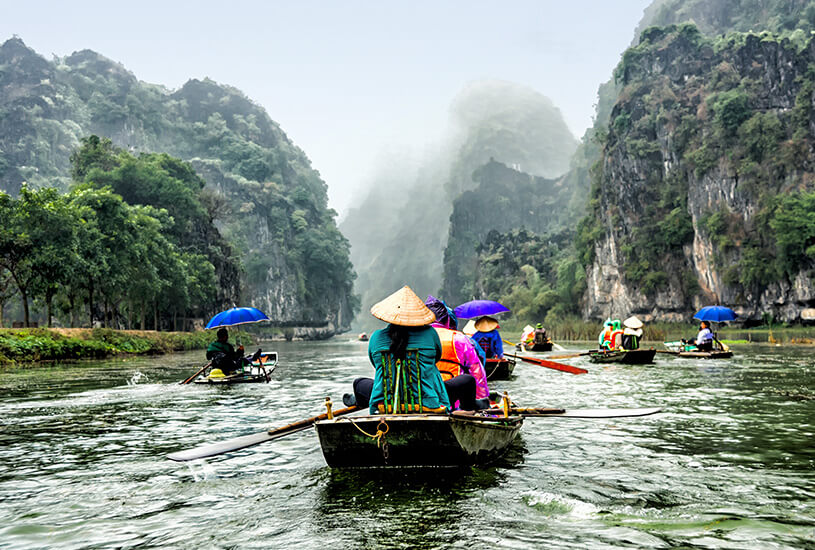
pixel 348 80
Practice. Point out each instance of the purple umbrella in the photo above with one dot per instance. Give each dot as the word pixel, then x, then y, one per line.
pixel 479 308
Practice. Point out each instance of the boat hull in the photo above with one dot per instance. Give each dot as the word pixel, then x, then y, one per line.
pixel 546 346
pixel 257 372
pixel 415 440
pixel 499 369
pixel 715 354
pixel 237 379
pixel 628 357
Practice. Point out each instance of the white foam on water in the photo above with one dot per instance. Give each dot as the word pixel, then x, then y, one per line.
pixel 558 505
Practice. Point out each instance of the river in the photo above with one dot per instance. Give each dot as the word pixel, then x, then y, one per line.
pixel 728 464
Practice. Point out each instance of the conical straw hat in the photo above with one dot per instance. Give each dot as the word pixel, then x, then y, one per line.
pixel 403 308
pixel 632 322
pixel 486 324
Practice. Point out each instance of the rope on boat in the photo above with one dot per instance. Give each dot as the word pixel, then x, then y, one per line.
pixel 380 433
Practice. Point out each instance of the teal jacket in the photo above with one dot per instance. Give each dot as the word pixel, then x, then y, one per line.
pixel 427 342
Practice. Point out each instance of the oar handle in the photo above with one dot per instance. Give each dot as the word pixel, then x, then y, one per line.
pixel 194 376
pixel 305 423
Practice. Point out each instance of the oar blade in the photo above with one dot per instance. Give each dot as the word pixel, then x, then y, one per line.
pixel 551 364
pixel 221 447
pixel 238 443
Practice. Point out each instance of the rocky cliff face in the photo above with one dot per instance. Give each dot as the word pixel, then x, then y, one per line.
pixel 709 143
pixel 400 236
pixel 273 204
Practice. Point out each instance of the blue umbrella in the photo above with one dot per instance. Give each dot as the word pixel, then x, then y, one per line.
pixel 715 313
pixel 479 308
pixel 237 316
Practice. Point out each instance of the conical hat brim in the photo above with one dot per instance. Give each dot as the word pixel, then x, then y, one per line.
pixel 403 308
pixel 632 322
pixel 469 328
pixel 486 324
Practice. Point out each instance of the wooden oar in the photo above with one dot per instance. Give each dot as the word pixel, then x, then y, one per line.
pixel 194 376
pixel 231 445
pixel 575 413
pixel 568 356
pixel 549 364
pixel 669 352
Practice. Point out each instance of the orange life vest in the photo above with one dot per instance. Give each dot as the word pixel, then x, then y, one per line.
pixel 449 365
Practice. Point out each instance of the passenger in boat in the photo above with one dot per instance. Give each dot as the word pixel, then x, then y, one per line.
pixel 223 355
pixel 704 339
pixel 632 333
pixel 528 336
pixel 459 353
pixel 604 340
pixel 488 337
pixel 409 329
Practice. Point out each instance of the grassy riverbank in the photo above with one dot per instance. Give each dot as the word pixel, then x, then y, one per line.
pixel 43 344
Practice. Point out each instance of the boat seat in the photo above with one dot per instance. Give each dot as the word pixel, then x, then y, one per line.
pixel 402 385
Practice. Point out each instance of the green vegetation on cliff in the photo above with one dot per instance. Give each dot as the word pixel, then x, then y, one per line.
pixel 694 113
pixel 259 188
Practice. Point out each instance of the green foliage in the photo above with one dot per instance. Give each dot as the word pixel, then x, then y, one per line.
pixel 793 223
pixel 536 277
pixel 24 345
pixel 257 178
pixel 730 109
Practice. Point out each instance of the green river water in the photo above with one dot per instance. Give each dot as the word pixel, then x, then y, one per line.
pixel 728 464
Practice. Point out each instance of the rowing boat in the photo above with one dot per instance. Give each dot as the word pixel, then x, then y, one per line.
pixel 544 346
pixel 628 357
pixel 714 354
pixel 415 440
pixel 499 369
pixel 690 351
pixel 259 370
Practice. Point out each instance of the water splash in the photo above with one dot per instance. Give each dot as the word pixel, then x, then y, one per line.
pixel 138 378
pixel 201 470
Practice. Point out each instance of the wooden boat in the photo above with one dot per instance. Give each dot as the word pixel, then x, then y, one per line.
pixel 259 371
pixel 545 346
pixel 628 357
pixel 690 351
pixel 415 440
pixel 714 354
pixel 499 369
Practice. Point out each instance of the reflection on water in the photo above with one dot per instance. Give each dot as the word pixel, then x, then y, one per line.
pixel 729 464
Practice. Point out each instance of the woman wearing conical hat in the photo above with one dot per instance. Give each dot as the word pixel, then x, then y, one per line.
pixel 488 337
pixel 409 329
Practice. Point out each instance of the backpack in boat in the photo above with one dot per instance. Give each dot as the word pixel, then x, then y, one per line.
pixel 630 341
pixel 402 384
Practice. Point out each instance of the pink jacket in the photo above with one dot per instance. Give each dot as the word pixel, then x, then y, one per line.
pixel 469 358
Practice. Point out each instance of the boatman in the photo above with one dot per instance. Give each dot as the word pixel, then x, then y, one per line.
pixel 704 339
pixel 223 355
pixel 540 334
